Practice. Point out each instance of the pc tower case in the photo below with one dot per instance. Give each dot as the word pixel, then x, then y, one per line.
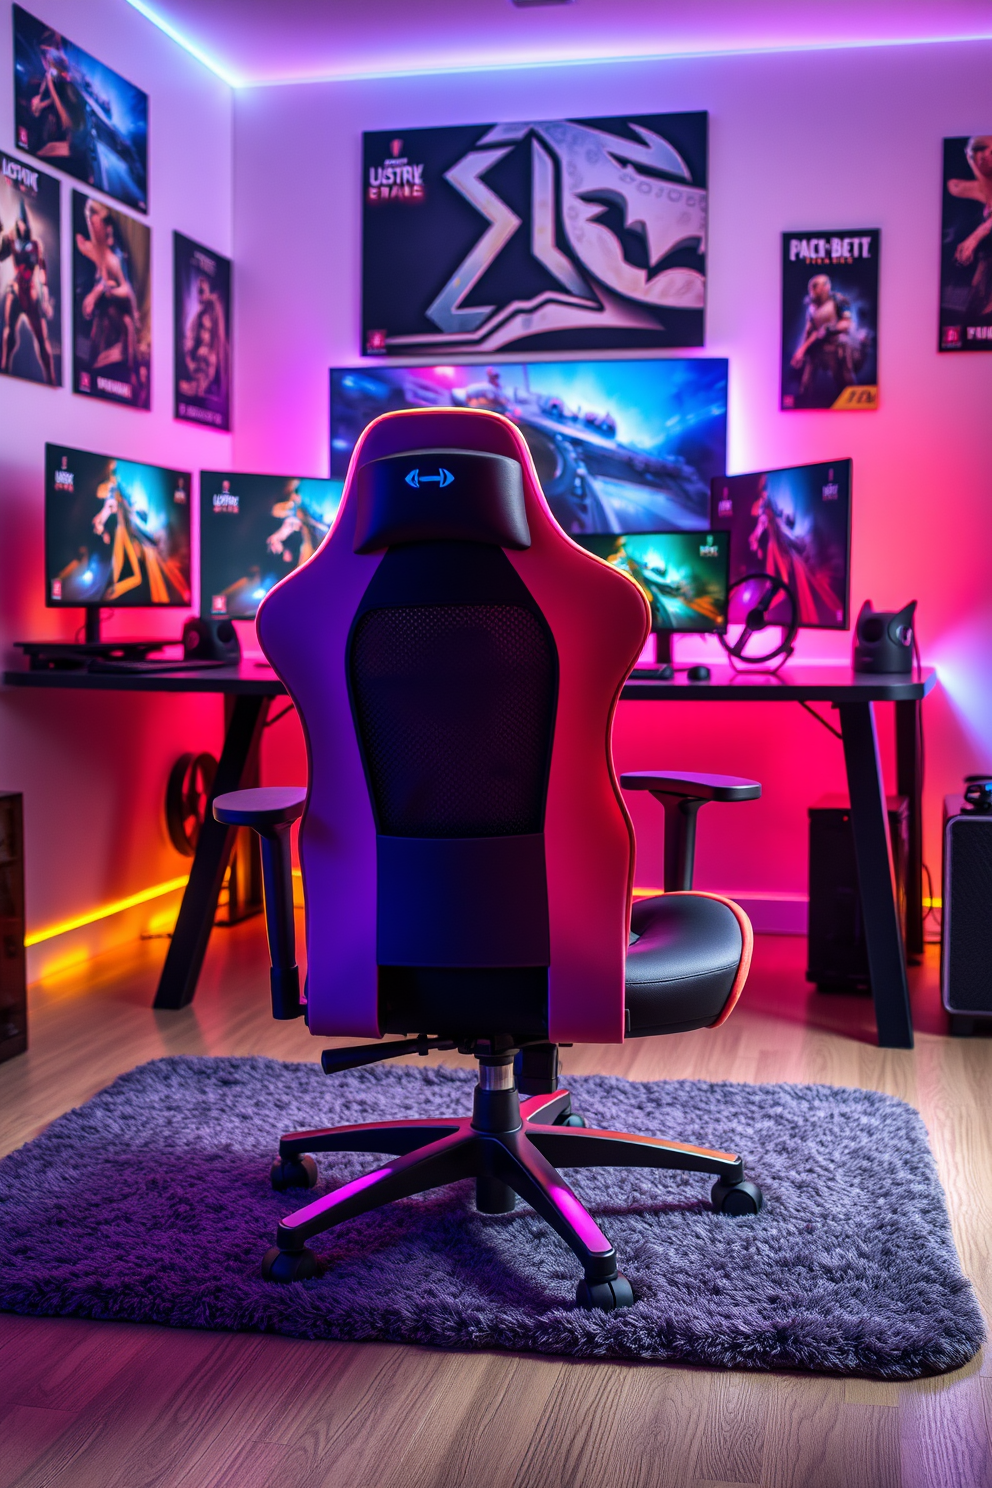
pixel 837 956
pixel 13 978
pixel 966 925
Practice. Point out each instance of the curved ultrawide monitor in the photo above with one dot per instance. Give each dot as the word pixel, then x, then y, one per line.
pixel 619 446
pixel 117 532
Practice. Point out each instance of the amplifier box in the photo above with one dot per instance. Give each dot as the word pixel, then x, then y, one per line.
pixel 966 920
pixel 13 975
pixel 837 956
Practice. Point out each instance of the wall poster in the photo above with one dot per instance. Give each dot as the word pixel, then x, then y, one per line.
pixel 202 352
pixel 830 319
pixel 80 116
pixel 966 245
pixel 30 274
pixel 111 304
pixel 573 234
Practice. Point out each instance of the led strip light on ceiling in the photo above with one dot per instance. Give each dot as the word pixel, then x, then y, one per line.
pixel 222 71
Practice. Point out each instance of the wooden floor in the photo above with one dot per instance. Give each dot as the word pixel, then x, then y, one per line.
pixel 105 1405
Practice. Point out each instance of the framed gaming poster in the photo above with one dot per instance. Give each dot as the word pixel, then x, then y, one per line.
pixel 78 114
pixel 830 319
pixel 966 245
pixel 111 304
pixel 202 353
pixel 569 234
pixel 30 274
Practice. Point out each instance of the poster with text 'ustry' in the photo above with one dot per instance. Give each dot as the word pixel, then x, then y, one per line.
pixel 830 319
pixel 554 235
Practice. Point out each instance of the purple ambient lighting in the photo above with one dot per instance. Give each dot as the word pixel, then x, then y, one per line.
pixel 296 43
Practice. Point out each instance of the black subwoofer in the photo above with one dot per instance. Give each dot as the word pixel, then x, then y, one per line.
pixel 837 954
pixel 966 926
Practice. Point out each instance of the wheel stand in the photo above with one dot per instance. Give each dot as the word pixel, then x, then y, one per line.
pixel 512 1148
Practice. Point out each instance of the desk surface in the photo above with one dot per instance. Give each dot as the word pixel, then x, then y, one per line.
pixel 832 684
pixel 249 677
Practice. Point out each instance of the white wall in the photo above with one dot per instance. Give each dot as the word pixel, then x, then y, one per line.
pixel 805 140
pixel 93 766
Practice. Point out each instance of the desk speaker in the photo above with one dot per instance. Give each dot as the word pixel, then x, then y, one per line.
pixel 966 925
pixel 211 640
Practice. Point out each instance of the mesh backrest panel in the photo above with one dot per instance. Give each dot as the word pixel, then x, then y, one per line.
pixel 455 710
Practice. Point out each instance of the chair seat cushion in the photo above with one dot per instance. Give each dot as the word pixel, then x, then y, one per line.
pixel 681 963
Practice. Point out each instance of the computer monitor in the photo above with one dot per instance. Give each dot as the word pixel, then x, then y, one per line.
pixel 619 446
pixel 117 534
pixel 254 530
pixel 795 524
pixel 683 575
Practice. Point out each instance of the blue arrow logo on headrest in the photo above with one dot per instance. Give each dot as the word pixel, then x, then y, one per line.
pixel 443 478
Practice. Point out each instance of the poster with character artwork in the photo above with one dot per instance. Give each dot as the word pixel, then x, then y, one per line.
pixel 111 304
pixel 30 274
pixel 966 245
pixel 202 359
pixel 830 319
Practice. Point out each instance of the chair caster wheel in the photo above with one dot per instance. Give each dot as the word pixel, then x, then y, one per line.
pixel 605 1296
pixel 736 1198
pixel 572 1119
pixel 289 1265
pixel 293 1172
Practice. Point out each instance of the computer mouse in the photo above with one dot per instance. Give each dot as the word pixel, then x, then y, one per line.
pixel 698 674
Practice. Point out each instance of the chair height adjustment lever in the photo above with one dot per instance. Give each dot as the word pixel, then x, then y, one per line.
pixel 333 1061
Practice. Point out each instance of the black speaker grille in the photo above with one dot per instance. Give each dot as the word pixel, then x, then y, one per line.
pixel 968 915
pixel 455 710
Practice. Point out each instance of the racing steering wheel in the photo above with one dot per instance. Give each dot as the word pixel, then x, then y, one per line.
pixel 760 591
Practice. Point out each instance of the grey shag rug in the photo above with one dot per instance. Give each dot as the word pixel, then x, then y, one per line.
pixel 152 1203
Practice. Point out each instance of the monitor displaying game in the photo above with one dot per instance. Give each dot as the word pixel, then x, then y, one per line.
pixel 116 531
pixel 795 524
pixel 619 446
pixel 683 574
pixel 254 530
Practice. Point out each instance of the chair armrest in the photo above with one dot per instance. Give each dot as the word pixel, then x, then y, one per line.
pixel 270 812
pixel 692 786
pixel 682 794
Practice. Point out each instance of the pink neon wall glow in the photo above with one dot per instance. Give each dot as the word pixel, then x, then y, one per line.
pixel 800 140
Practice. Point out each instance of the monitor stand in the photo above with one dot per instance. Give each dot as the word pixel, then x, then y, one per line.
pixel 75 656
pixel 663 670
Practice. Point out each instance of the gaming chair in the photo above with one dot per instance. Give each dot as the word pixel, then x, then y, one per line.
pixel 467 859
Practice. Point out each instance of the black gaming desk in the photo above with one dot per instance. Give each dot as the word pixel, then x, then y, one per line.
pixel 854 695
pixel 251 687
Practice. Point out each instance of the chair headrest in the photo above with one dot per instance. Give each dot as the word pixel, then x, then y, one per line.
pixel 433 495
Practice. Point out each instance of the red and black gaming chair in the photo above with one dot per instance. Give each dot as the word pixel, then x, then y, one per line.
pixel 467 858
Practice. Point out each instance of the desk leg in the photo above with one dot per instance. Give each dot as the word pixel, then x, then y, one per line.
pixel 909 783
pixel 177 984
pixel 886 958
